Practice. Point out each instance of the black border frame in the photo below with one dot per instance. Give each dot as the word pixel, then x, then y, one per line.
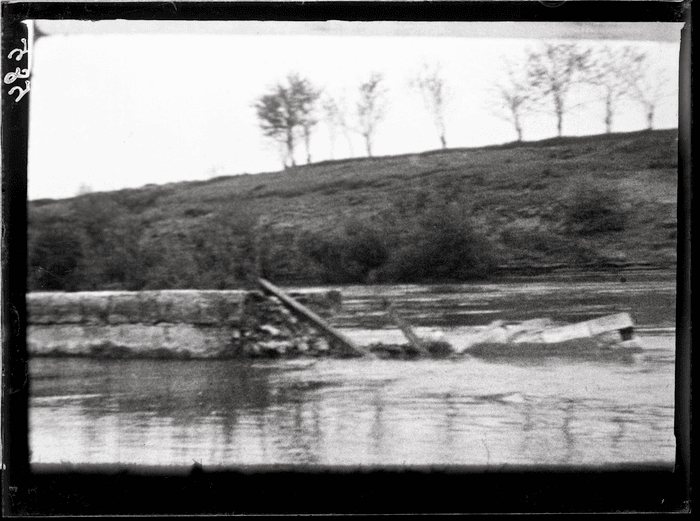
pixel 117 490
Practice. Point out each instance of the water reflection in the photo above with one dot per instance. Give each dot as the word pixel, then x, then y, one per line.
pixel 383 412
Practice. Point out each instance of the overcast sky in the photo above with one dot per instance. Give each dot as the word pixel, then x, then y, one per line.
pixel 124 104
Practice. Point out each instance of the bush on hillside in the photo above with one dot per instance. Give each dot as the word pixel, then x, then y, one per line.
pixel 100 244
pixel 281 258
pixel 441 244
pixel 536 240
pixel 55 255
pixel 593 209
pixel 347 255
pixel 123 260
pixel 419 238
pixel 223 247
pixel 95 215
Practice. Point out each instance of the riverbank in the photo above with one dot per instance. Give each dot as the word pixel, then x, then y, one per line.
pixel 580 203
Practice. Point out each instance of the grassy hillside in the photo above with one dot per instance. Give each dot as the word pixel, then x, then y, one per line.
pixel 447 214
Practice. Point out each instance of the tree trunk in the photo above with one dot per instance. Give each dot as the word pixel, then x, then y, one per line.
pixel 650 118
pixel 559 111
pixel 307 143
pixel 290 148
pixel 368 145
pixel 348 138
pixel 608 114
pixel 560 117
pixel 442 129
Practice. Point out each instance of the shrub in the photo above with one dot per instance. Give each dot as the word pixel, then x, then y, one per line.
pixel 364 245
pixel 224 247
pixel 195 212
pixel 55 255
pixel 137 200
pixel 123 264
pixel 593 209
pixel 95 214
pixel 442 244
pixel 349 255
pixel 281 258
pixel 516 236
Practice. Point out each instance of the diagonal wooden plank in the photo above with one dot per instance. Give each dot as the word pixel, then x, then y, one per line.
pixel 312 317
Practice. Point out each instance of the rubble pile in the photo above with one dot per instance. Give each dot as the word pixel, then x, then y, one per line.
pixel 268 328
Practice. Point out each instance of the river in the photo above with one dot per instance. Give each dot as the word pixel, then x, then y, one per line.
pixel 456 411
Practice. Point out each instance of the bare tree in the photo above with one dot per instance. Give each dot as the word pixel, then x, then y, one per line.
pixel 553 71
pixel 430 82
pixel 335 114
pixel 287 112
pixel 614 72
pixel 648 86
pixel 305 96
pixel 371 108
pixel 514 97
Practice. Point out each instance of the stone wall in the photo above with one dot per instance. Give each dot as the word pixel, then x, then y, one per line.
pixel 166 324
pixel 137 307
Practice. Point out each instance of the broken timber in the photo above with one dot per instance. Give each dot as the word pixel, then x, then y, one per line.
pixel 406 329
pixel 313 318
pixel 621 322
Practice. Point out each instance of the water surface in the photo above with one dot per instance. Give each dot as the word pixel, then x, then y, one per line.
pixel 466 411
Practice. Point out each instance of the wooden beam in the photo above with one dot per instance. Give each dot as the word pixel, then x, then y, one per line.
pixel 312 317
pixel 416 342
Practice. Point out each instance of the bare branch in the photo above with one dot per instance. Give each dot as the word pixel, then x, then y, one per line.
pixel 371 108
pixel 430 83
pixel 649 86
pixel 335 112
pixel 513 96
pixel 554 70
pixel 613 72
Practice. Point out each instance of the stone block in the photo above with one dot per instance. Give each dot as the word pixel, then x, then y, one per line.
pixel 66 308
pixel 211 308
pixel 177 306
pixel 149 307
pixel 232 306
pixel 39 309
pixel 118 340
pixel 566 333
pixel 610 323
pixel 95 306
pixel 66 339
pixel 125 308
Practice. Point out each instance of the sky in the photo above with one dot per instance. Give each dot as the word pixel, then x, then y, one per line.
pixel 124 104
